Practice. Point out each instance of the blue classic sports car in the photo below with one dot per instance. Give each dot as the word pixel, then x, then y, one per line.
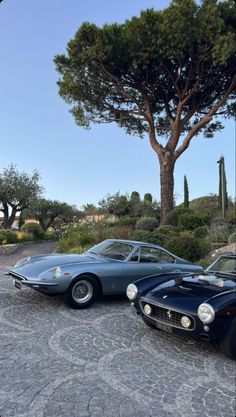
pixel 199 306
pixel 106 268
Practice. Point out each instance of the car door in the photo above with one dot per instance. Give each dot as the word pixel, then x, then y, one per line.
pixel 144 262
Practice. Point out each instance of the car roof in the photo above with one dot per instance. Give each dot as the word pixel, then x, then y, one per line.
pixel 135 242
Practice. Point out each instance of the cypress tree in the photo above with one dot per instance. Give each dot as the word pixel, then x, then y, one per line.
pixel 148 197
pixel 223 195
pixel 186 193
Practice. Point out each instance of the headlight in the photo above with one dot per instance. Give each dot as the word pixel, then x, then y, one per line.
pixel 131 291
pixel 57 272
pixel 206 313
pixel 185 321
pixel 147 309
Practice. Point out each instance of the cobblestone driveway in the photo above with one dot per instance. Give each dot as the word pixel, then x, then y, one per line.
pixel 101 362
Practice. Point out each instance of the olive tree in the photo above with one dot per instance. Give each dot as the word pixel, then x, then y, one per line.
pixel 17 191
pixel 116 204
pixel 52 213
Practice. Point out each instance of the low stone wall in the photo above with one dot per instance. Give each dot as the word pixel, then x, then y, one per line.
pixel 12 247
pixel 225 249
pixel 7 249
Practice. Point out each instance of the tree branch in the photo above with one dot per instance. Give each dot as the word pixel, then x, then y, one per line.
pixel 174 81
pixel 202 122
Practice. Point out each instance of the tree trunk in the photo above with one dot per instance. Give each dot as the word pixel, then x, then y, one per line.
pixel 167 164
pixel 8 222
pixel 5 211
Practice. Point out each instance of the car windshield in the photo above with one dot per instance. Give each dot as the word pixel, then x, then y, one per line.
pixel 112 250
pixel 224 265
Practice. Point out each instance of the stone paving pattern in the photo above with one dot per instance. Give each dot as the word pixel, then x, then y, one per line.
pixel 101 362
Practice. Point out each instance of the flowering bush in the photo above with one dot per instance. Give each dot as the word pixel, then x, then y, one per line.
pixel 24 236
pixel 75 235
pixel 33 229
pixel 219 231
pixel 7 236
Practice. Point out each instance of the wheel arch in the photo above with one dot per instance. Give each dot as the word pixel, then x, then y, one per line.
pixel 228 342
pixel 92 275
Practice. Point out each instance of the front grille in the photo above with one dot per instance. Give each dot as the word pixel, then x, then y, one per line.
pixel 18 277
pixel 167 316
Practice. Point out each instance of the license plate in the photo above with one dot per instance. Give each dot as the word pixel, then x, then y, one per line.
pixel 17 285
pixel 164 327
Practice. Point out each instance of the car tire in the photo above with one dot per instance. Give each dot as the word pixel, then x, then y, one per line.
pixel 228 343
pixel 148 323
pixel 82 292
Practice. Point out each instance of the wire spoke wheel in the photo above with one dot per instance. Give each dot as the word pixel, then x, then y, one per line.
pixel 82 291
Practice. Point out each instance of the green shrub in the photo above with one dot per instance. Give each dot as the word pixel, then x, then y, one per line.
pixel 232 228
pixel 201 231
pixel 33 229
pixel 21 221
pixel 191 221
pixel 127 221
pixel 24 237
pixel 142 236
pixel 172 217
pixel 158 238
pixel 206 203
pixel 162 234
pixel 149 237
pixel 147 223
pixel 205 261
pixel 232 221
pixel 75 235
pixel 79 249
pixel 167 230
pixel 121 232
pixel 187 233
pixel 51 235
pixel 231 216
pixel 101 230
pixel 220 221
pixel 7 236
pixel 232 238
pixel 219 231
pixel 189 248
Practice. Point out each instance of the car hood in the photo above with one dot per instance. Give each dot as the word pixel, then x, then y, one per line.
pixel 189 291
pixel 35 265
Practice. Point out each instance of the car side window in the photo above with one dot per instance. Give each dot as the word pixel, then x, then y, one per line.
pixel 145 254
pixel 135 257
pixel 149 255
pixel 165 257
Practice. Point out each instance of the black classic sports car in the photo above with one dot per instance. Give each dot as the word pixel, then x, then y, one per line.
pixel 200 306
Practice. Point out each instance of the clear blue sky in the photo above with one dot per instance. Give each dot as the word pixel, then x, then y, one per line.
pixel 38 132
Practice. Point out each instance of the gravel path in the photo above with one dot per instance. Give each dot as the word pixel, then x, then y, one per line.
pixel 100 362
